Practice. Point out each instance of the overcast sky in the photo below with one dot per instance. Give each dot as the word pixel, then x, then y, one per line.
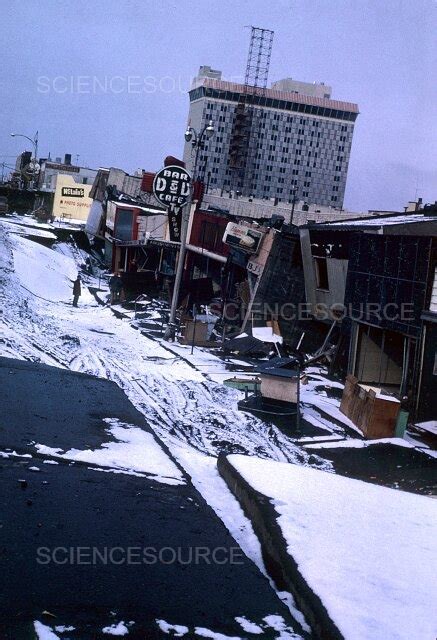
pixel 108 79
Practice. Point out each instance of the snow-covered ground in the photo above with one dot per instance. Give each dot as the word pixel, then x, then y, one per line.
pixel 179 394
pixel 367 551
pixel 180 401
pixel 135 452
pixel 195 416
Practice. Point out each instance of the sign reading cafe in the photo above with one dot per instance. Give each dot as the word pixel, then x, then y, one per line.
pixel 171 187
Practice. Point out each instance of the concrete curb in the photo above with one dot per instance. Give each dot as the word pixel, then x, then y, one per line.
pixel 280 565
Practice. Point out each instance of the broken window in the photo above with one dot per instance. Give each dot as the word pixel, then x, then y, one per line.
pixel 380 357
pixel 124 224
pixel 209 235
pixel 321 269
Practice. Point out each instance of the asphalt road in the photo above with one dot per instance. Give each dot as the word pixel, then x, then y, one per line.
pixel 61 508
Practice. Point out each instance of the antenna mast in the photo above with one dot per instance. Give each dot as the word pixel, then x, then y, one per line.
pixel 241 154
pixel 258 60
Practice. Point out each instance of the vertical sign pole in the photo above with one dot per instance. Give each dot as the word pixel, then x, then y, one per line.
pixel 171 187
pixel 170 331
pixel 298 400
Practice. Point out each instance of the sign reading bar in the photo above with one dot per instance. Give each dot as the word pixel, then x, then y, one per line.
pixel 171 186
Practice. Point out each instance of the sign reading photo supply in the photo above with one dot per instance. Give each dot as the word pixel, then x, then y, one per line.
pixel 171 187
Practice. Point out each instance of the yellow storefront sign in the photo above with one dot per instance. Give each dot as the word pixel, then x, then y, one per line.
pixel 71 200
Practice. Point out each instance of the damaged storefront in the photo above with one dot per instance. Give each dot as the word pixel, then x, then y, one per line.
pixel 131 232
pixel 388 288
pixel 325 256
pixel 278 284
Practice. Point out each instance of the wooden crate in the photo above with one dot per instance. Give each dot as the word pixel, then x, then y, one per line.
pixel 374 415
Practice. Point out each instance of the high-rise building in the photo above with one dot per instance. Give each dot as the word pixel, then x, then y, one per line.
pixel 290 141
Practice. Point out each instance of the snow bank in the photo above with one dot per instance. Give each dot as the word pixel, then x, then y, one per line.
pixel 43 632
pixel 29 231
pixel 177 630
pixel 46 273
pixel 367 551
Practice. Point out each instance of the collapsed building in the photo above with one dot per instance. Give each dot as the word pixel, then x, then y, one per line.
pixel 376 279
pixel 334 284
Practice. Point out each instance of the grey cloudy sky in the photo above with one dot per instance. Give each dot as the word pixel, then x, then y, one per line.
pixel 107 79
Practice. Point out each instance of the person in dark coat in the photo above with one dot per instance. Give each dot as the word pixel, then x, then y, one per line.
pixel 115 288
pixel 76 291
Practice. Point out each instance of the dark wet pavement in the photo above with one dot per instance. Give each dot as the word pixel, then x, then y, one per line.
pixel 386 464
pixel 56 511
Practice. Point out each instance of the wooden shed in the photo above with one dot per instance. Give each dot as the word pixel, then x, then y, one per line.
pixel 277 393
pixel 279 380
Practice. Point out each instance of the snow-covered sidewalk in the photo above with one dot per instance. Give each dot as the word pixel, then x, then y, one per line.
pixel 367 552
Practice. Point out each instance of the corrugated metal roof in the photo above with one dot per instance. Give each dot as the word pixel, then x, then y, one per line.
pixel 385 221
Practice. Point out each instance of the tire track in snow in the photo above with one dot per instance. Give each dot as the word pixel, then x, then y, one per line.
pixel 179 402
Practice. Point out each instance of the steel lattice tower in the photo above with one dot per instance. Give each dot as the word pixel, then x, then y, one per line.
pixel 258 60
pixel 245 121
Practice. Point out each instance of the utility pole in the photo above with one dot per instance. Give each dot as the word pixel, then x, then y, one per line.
pixel 170 331
pixel 188 210
pixel 293 204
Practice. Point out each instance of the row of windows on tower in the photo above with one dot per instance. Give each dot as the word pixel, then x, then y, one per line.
pixel 267 191
pixel 277 117
pixel 285 160
pixel 279 191
pixel 306 183
pixel 271 157
pixel 311 162
pixel 300 142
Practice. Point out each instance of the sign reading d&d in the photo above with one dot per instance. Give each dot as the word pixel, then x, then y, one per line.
pixel 171 186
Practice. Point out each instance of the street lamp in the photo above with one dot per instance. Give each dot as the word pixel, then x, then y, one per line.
pixel 196 139
pixel 294 190
pixel 34 141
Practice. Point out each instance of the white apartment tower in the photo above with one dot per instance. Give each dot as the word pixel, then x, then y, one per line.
pixel 290 141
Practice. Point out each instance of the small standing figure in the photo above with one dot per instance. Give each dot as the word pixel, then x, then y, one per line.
pixel 115 287
pixel 76 291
